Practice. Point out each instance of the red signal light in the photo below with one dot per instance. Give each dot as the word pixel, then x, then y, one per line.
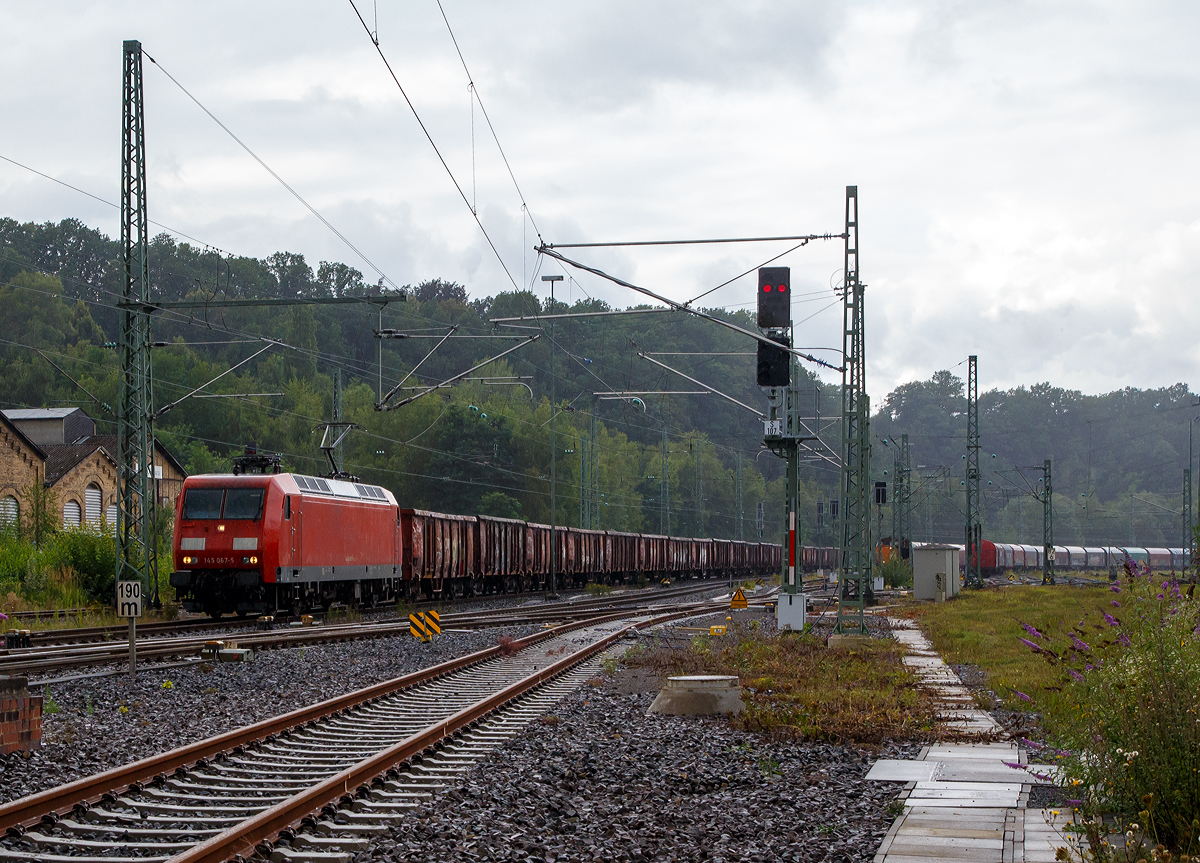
pixel 766 289
pixel 782 288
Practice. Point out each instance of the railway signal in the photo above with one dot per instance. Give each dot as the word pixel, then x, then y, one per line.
pixel 774 364
pixel 774 298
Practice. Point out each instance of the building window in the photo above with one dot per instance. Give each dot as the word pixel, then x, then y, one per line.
pixel 93 500
pixel 71 514
pixel 10 511
pixel 110 515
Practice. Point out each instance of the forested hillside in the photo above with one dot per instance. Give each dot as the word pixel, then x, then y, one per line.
pixel 484 447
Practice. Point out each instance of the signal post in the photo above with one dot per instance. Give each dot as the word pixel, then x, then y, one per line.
pixel 782 430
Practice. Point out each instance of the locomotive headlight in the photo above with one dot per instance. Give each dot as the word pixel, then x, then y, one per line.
pixel 220 528
pixel 188 560
pixel 254 560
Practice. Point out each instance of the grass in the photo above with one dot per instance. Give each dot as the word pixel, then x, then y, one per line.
pixel 796 688
pixel 982 628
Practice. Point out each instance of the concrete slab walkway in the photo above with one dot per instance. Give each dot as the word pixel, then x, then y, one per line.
pixel 962 801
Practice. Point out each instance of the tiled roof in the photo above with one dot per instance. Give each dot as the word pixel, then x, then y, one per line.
pixel 62 458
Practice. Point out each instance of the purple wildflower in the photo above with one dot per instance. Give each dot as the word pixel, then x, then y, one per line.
pixel 1075 674
pixel 1032 630
pixel 3 616
pixel 1079 645
pixel 1032 744
pixel 1160 596
pixel 1115 587
pixel 1110 620
pixel 1088 667
pixel 1124 639
pixel 1030 645
pixel 1021 695
pixel 1115 604
pixel 1074 802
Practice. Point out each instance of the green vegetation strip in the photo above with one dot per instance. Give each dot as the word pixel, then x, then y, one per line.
pixel 983 628
pixel 795 687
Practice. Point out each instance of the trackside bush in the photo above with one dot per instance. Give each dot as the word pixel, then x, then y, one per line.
pixel 91 553
pixel 1127 717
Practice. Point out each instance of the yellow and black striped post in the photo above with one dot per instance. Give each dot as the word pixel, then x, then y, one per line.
pixel 433 623
pixel 417 627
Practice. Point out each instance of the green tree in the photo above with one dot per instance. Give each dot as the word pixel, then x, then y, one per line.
pixel 39 514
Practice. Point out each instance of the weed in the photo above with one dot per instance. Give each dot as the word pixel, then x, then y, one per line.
pixel 166 684
pixel 1124 715
pixel 795 687
pixel 88 708
pixel 769 766
pixel 550 719
pixel 49 705
pixel 507 646
pixel 596 589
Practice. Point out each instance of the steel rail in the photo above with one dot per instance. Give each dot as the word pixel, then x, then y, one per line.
pixel 46 658
pixel 27 811
pixel 268 824
pixel 91 788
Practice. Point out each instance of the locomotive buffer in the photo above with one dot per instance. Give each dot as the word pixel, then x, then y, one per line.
pixel 783 431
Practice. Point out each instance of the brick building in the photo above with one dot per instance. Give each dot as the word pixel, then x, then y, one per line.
pixel 59 448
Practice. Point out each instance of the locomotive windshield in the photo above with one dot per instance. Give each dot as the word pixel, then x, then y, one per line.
pixel 206 503
pixel 203 503
pixel 243 502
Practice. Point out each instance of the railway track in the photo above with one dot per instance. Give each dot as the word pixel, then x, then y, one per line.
pixel 315 784
pixel 41 660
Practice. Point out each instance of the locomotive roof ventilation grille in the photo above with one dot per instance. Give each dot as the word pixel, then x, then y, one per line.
pixel 312 483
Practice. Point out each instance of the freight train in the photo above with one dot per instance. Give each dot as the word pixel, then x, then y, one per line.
pixel 995 557
pixel 260 543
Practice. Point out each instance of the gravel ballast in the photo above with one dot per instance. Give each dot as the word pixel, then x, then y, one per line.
pixel 599 779
pixel 104 722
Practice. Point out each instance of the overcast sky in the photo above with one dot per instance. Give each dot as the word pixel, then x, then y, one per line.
pixel 1027 172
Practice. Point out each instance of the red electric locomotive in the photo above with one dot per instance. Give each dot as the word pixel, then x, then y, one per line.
pixel 257 543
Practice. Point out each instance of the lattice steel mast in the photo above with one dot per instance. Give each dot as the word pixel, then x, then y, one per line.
pixel 1047 523
pixel 974 529
pixel 135 436
pixel 855 567
pixel 903 498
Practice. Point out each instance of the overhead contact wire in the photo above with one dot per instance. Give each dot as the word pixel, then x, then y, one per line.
pixel 438 152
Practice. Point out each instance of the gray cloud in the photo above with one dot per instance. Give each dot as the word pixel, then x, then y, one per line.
pixel 1026 170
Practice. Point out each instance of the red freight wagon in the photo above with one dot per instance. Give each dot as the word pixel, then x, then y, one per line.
pixel 537 552
pixel 501 546
pixel 623 558
pixel 438 551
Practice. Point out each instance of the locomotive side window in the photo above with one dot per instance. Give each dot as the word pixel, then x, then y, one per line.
pixel 287 508
pixel 245 503
pixel 202 503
